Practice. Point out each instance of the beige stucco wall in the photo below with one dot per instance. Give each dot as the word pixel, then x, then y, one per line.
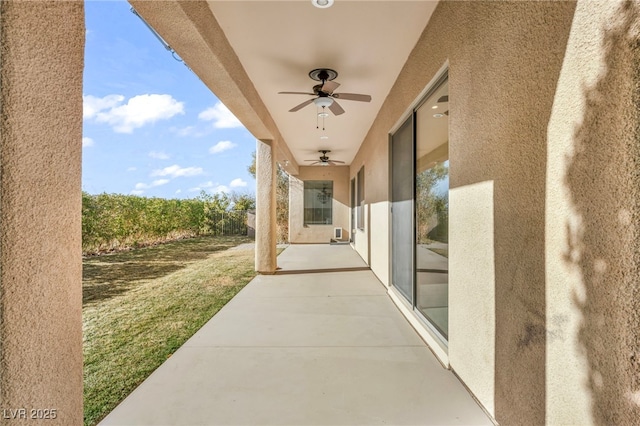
pixel 592 214
pixel 265 255
pixel 505 62
pixel 372 242
pixel 41 53
pixel 472 260
pixel 298 232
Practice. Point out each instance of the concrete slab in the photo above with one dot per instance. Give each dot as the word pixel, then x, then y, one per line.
pixel 301 257
pixel 306 349
pixel 300 386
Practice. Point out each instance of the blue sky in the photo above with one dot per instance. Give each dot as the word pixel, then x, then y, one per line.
pixel 151 127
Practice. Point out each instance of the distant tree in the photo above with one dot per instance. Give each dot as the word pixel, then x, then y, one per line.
pixel 431 207
pixel 243 201
pixel 282 199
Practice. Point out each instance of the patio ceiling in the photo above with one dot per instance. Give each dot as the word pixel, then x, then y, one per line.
pixel 272 46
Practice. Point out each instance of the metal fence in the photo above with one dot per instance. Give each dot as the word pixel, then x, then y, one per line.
pixel 232 222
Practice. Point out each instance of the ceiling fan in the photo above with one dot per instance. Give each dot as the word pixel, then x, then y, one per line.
pixel 324 160
pixel 323 92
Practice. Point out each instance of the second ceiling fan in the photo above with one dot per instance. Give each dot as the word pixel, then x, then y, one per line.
pixel 324 92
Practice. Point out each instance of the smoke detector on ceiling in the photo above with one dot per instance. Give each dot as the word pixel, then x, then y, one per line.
pixel 322 4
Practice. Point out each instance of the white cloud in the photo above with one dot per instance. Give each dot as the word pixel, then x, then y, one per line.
pixel 237 183
pixel 138 111
pixel 157 182
pixel 221 147
pixel 221 116
pixel 178 191
pixel 159 155
pixel 211 187
pixel 91 105
pixel 221 188
pixel 137 192
pixel 87 142
pixel 177 171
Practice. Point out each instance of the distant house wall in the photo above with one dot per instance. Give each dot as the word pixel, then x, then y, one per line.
pixel 541 116
pixel 301 233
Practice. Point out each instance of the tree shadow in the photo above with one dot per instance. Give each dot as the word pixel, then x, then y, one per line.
pixel 604 182
pixel 107 276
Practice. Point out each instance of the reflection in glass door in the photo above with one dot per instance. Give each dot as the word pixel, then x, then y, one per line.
pixel 432 208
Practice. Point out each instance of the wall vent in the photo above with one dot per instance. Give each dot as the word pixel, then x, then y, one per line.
pixel 337 233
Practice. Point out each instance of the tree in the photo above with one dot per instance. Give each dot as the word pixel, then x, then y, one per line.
pixel 431 207
pixel 243 202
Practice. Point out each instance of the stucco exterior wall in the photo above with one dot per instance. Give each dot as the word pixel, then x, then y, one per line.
pixel 592 214
pixel 505 61
pixel 298 232
pixel 41 57
pixel 372 242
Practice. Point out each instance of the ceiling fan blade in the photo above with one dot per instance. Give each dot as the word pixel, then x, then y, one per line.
pixel 302 105
pixel 296 93
pixel 313 164
pixel 330 86
pixel 335 108
pixel 336 161
pixel 352 97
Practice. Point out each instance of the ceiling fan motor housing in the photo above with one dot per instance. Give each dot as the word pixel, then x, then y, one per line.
pixel 323 74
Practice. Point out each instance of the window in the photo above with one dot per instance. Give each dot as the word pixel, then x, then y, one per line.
pixel 360 201
pixel 318 202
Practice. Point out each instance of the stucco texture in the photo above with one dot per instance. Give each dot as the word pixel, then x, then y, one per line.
pixel 265 256
pixel 41 56
pixel 593 212
pixel 301 233
pixel 505 60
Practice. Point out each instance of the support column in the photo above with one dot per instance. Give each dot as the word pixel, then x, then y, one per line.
pixel 265 209
pixel 41 52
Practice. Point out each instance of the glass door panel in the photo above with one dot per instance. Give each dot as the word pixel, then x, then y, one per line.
pixel 402 234
pixel 432 208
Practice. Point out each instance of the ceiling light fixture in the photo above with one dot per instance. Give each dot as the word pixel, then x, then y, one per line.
pixel 323 114
pixel 322 4
pixel 323 101
pixel 324 137
pixel 438 115
pixel 434 107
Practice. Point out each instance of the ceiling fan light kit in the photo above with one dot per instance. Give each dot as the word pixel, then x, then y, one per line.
pixel 324 160
pixel 323 101
pixel 324 92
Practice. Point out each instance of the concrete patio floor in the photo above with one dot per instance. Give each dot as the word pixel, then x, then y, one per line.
pixel 303 349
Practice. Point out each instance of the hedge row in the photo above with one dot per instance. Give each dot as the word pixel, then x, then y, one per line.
pixel 116 221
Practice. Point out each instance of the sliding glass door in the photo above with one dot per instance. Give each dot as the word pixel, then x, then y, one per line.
pixel 432 208
pixel 420 208
pixel 402 209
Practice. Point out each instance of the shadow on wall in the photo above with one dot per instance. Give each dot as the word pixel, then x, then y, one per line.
pixel 604 181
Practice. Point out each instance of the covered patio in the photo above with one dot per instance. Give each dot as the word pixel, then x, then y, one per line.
pixel 322 348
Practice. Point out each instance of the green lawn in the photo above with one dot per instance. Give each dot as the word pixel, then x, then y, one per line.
pixel 140 306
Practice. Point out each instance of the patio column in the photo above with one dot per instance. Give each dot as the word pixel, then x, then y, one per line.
pixel 265 208
pixel 41 52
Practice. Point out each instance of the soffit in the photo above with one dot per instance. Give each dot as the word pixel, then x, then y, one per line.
pixel 279 42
